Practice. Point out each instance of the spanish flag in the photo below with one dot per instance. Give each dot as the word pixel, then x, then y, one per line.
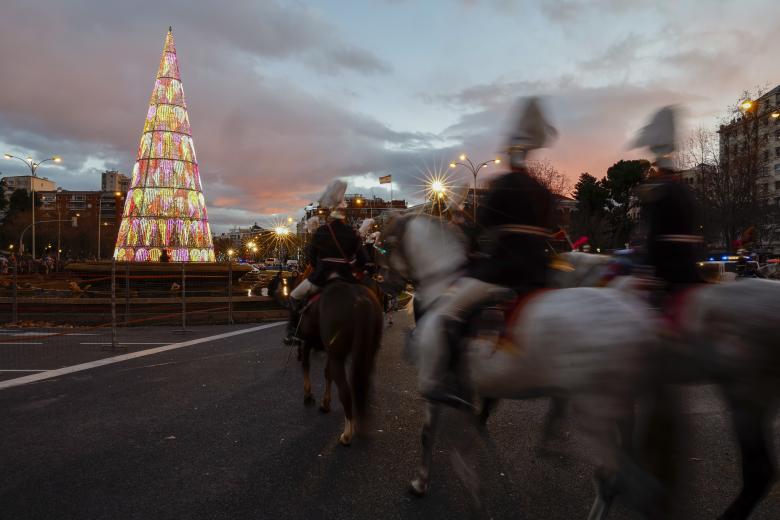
pixel 387 179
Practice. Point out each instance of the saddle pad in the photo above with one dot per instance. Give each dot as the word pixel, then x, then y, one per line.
pixel 674 307
pixel 515 309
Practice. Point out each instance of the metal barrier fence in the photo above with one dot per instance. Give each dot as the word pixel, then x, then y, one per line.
pixel 93 309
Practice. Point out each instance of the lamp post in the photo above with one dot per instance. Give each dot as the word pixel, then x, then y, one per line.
pixel 33 165
pixel 250 246
pixel 59 219
pixel 281 233
pixel 474 169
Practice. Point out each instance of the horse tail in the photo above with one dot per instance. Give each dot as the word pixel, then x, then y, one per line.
pixel 366 338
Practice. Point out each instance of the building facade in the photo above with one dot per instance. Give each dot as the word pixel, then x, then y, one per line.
pixel 97 215
pixel 760 122
pixel 359 207
pixel 112 180
pixel 27 183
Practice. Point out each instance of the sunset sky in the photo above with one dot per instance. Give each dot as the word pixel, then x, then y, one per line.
pixel 285 96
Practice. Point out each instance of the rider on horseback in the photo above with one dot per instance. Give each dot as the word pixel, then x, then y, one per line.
pixel 668 215
pixel 515 216
pixel 334 252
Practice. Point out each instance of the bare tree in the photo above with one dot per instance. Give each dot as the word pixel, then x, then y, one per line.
pixel 730 173
pixel 549 176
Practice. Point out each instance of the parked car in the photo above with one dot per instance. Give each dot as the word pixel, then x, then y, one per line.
pixel 292 265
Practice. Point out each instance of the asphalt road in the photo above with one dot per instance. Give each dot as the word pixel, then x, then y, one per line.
pixel 219 430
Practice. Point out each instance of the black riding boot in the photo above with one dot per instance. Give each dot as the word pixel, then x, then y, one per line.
pixel 454 390
pixel 293 321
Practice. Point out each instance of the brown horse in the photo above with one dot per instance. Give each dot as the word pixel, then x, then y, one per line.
pixel 346 319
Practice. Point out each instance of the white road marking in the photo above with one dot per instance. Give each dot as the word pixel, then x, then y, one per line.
pixel 147 343
pixel 124 357
pixel 47 333
pixel 22 334
pixel 28 370
pixel 20 343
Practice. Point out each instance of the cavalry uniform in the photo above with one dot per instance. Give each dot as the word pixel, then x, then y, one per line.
pixel 514 222
pixel 335 251
pixel 673 244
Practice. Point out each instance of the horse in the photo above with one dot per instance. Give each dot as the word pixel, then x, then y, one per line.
pixel 727 334
pixel 344 320
pixel 586 345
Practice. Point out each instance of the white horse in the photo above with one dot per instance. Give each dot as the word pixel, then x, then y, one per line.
pixel 586 345
pixel 728 334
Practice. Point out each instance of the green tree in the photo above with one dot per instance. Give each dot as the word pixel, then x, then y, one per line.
pixel 3 201
pixel 591 217
pixel 621 181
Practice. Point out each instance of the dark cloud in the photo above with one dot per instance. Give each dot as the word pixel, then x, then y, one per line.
pixel 267 144
pixel 262 143
pixel 594 123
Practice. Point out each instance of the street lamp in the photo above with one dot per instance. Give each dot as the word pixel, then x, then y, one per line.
pixel 33 165
pixel 437 188
pixel 281 233
pixel 474 169
pixel 59 219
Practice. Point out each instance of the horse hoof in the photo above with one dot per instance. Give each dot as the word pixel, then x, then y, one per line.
pixel 325 408
pixel 344 440
pixel 308 400
pixel 418 488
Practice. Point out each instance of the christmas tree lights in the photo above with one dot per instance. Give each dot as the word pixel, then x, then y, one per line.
pixel 165 208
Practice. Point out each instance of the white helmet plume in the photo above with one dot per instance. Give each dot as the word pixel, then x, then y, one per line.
pixel 659 136
pixel 333 196
pixel 531 131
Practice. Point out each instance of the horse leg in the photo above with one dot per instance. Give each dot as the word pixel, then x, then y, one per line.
pixel 605 494
pixel 325 406
pixel 419 484
pixel 602 418
pixel 308 399
pixel 338 373
pixel 751 421
pixel 552 424
pixel 488 406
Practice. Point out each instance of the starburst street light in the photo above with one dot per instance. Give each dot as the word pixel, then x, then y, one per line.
pixel 474 169
pixel 436 187
pixel 33 166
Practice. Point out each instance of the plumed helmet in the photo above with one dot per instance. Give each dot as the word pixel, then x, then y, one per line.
pixel 659 135
pixel 333 196
pixel 531 131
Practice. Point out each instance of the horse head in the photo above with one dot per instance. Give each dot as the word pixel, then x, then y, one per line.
pixel 426 251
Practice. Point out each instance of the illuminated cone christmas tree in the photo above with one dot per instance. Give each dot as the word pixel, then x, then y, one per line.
pixel 165 208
